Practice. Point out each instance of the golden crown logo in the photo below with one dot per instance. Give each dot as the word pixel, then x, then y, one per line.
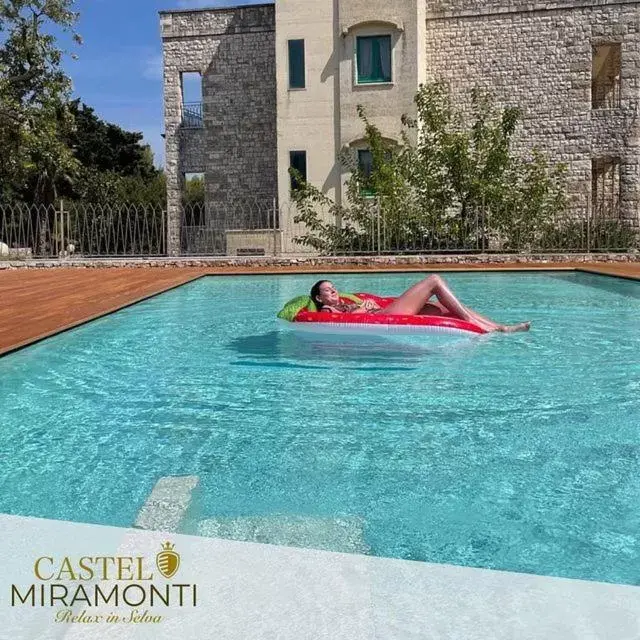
pixel 168 560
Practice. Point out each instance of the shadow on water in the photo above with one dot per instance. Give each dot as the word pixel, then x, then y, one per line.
pixel 312 351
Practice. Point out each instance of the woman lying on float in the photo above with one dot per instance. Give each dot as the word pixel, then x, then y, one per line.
pixel 414 301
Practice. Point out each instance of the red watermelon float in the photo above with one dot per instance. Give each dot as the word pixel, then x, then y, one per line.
pixel 301 314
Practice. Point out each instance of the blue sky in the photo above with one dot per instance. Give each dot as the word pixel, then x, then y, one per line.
pixel 119 66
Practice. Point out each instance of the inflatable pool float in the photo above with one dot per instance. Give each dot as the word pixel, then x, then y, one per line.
pixel 302 314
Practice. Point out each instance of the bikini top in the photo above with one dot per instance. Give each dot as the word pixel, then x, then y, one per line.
pixel 341 306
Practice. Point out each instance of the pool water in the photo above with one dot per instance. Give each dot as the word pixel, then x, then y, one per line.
pixel 515 452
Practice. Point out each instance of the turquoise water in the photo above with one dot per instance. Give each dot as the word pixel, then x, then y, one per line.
pixel 514 452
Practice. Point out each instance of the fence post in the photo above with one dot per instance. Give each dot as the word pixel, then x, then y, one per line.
pixel 62 250
pixel 480 227
pixel 589 211
pixel 275 226
pixel 486 231
pixel 164 212
pixel 378 211
pixel 69 234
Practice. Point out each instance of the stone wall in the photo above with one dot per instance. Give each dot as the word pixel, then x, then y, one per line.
pixel 342 263
pixel 439 8
pixel 234 51
pixel 192 151
pixel 538 56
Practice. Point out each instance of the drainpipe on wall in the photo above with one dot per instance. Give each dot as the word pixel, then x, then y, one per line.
pixel 338 43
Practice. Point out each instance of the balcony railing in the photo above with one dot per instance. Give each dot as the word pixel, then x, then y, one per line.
pixel 192 115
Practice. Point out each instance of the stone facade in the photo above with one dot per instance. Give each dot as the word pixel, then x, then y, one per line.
pixel 538 56
pixel 344 264
pixel 234 51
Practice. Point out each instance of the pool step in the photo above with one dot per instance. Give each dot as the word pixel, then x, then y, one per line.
pixel 167 504
pixel 345 534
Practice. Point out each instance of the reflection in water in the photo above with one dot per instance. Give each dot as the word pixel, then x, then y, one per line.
pixel 290 349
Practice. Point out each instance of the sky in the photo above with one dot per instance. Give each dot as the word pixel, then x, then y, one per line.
pixel 119 67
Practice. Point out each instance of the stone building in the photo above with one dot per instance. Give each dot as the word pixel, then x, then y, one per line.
pixel 280 85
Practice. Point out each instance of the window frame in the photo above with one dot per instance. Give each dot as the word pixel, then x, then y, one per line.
pixel 606 96
pixel 370 82
pixel 600 183
pixel 290 85
pixel 367 193
pixel 191 111
pixel 293 186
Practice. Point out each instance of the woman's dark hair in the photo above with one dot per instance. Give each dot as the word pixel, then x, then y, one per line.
pixel 315 291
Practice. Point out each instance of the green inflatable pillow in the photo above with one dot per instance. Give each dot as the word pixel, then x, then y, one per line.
pixel 293 307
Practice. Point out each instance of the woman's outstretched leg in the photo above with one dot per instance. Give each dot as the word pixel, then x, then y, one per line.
pixel 414 299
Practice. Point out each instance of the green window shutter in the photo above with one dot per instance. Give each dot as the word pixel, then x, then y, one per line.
pixel 298 161
pixel 296 64
pixel 373 57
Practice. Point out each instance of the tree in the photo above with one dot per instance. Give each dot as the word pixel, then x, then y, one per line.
pixel 34 91
pixel 469 175
pixel 448 184
pixel 104 146
pixel 109 188
pixel 193 200
pixel 52 147
pixel 115 167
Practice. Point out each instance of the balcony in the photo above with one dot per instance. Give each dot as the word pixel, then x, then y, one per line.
pixel 192 115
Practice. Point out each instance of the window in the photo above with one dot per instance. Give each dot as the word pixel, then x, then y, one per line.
pixel 605 76
pixel 296 64
pixel 605 188
pixel 365 162
pixel 191 86
pixel 365 165
pixel 298 162
pixel 193 197
pixel 373 56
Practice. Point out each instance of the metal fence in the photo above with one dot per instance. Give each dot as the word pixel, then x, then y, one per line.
pixel 375 230
pixel 244 226
pixel 482 230
pixel 80 229
pixel 254 227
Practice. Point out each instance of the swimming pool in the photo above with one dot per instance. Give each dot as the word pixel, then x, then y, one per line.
pixel 514 452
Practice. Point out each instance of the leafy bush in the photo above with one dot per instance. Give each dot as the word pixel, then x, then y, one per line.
pixel 581 235
pixel 447 185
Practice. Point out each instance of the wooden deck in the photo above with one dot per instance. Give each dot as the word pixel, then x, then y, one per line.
pixel 37 303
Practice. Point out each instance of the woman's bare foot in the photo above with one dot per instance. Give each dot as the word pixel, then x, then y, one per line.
pixel 512 328
pixel 489 327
